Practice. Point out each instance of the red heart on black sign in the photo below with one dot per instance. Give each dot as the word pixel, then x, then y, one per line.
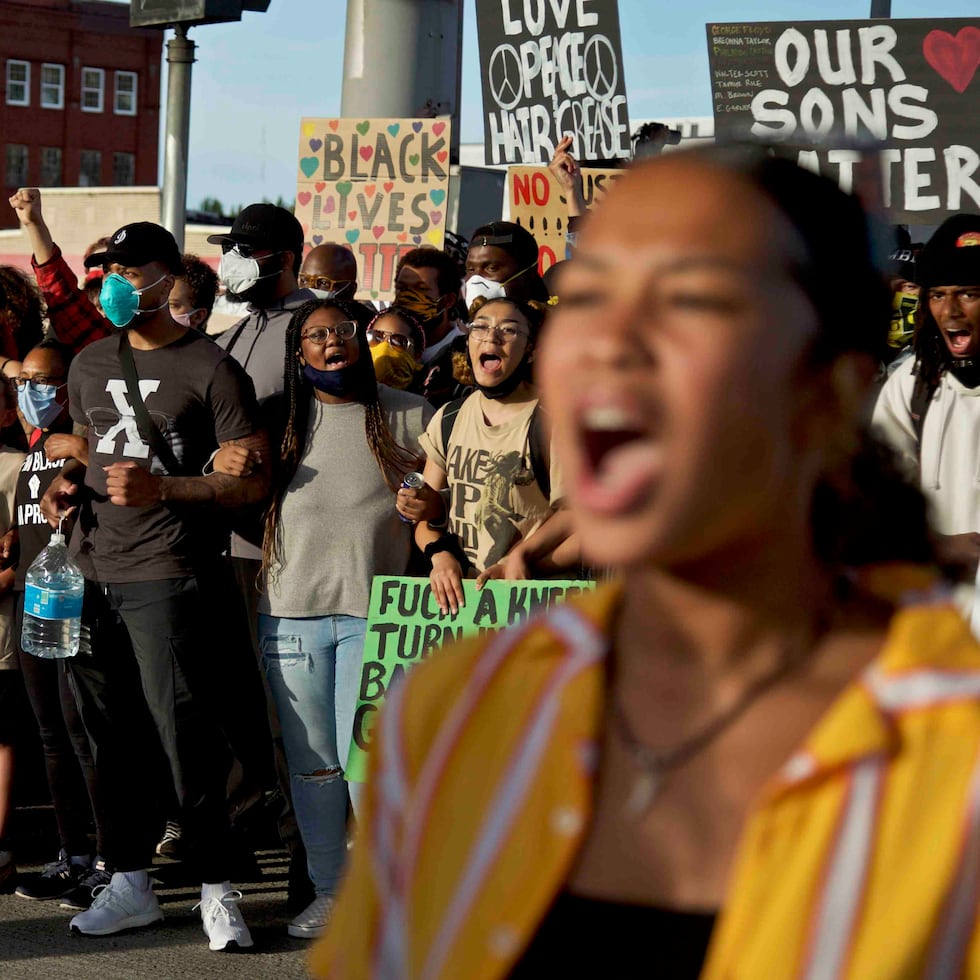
pixel 954 58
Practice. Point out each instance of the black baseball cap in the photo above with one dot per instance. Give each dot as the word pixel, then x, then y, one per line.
pixel 952 256
pixel 137 244
pixel 264 226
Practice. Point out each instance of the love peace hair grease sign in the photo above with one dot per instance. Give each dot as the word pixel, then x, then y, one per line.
pixel 379 187
pixel 836 91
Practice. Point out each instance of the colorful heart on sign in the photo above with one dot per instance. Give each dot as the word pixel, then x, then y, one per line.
pixel 318 239
pixel 363 127
pixel 435 217
pixel 352 236
pixel 366 152
pixel 438 128
pixel 441 156
pixel 318 186
pixel 344 187
pixel 378 230
pixel 333 124
pixel 329 206
pixel 309 129
pixel 417 126
pixel 955 59
pixel 435 237
pixel 437 197
pixel 417 239
pixel 369 189
pixel 388 186
pixel 393 128
pixel 309 165
pixel 403 237
pixel 414 159
pixel 304 197
pixel 315 145
pixel 352 215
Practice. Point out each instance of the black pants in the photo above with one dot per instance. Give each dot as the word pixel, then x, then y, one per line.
pixel 151 682
pixel 68 758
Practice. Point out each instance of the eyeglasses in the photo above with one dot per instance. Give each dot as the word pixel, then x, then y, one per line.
pixel 320 335
pixel 483 331
pixel 325 283
pixel 397 340
pixel 38 382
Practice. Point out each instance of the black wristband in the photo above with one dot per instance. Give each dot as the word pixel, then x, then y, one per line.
pixel 450 543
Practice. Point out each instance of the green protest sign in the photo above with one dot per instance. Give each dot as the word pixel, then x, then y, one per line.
pixel 405 625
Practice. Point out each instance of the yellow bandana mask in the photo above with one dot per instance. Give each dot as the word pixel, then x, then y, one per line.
pixel 902 326
pixel 394 368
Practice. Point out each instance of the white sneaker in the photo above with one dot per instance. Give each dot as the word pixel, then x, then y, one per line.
pixel 223 923
pixel 311 923
pixel 117 906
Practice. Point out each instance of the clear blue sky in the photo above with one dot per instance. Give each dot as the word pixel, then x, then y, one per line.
pixel 254 80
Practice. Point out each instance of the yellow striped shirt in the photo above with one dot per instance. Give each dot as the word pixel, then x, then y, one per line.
pixel 860 860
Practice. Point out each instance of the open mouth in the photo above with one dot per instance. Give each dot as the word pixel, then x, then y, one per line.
pixel 959 341
pixel 337 359
pixel 491 362
pixel 622 455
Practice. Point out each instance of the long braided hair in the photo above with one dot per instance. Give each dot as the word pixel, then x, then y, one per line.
pixel 393 460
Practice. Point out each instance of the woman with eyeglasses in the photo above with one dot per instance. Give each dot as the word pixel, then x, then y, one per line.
pixel 490 450
pixel 330 528
pixel 42 400
pixel 397 342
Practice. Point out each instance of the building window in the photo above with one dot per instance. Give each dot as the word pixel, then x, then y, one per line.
pixel 124 169
pixel 18 82
pixel 125 102
pixel 16 165
pixel 93 89
pixel 52 86
pixel 50 166
pixel 90 169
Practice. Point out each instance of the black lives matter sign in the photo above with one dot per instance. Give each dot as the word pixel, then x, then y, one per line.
pixel 910 87
pixel 552 67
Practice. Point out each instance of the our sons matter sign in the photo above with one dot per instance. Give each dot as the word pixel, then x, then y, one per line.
pixel 552 67
pixel 909 85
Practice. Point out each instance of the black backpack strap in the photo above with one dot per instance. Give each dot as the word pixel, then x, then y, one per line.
pixel 449 422
pixel 539 451
pixel 923 392
pixel 150 433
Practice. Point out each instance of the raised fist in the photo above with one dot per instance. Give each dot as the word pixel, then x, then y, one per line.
pixel 27 203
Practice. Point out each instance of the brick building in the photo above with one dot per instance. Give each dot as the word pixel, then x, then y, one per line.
pixel 79 96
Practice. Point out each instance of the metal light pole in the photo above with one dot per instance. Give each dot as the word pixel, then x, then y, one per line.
pixel 180 57
pixel 881 8
pixel 403 58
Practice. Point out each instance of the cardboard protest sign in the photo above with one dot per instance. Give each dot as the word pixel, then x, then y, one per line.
pixel 377 186
pixel 552 67
pixel 538 204
pixel 404 626
pixel 831 88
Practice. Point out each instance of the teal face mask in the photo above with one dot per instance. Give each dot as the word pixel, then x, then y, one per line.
pixel 120 299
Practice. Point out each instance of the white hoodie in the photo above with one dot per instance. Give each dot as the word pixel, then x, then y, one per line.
pixel 948 467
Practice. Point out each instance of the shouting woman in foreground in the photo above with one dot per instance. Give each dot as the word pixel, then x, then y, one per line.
pixel 753 756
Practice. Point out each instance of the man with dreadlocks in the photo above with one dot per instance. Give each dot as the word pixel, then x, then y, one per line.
pixel 929 409
pixel 330 528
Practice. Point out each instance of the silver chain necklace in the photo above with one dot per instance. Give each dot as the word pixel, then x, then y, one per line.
pixel 655 765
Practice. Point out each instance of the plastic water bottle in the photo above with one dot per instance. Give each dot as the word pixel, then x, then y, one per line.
pixel 53 594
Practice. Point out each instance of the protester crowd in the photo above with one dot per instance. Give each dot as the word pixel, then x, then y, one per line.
pixel 727 747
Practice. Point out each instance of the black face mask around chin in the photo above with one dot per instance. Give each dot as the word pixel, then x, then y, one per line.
pixel 966 370
pixel 509 385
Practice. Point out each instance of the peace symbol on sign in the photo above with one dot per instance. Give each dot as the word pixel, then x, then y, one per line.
pixel 601 70
pixel 504 76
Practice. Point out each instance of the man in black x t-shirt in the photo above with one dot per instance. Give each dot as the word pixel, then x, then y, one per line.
pixel 149 541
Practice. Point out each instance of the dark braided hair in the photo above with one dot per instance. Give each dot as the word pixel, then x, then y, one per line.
pixel 393 460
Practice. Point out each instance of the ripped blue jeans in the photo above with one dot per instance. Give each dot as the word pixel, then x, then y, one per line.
pixel 314 669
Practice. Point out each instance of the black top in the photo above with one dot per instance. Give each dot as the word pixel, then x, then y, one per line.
pixel 588 938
